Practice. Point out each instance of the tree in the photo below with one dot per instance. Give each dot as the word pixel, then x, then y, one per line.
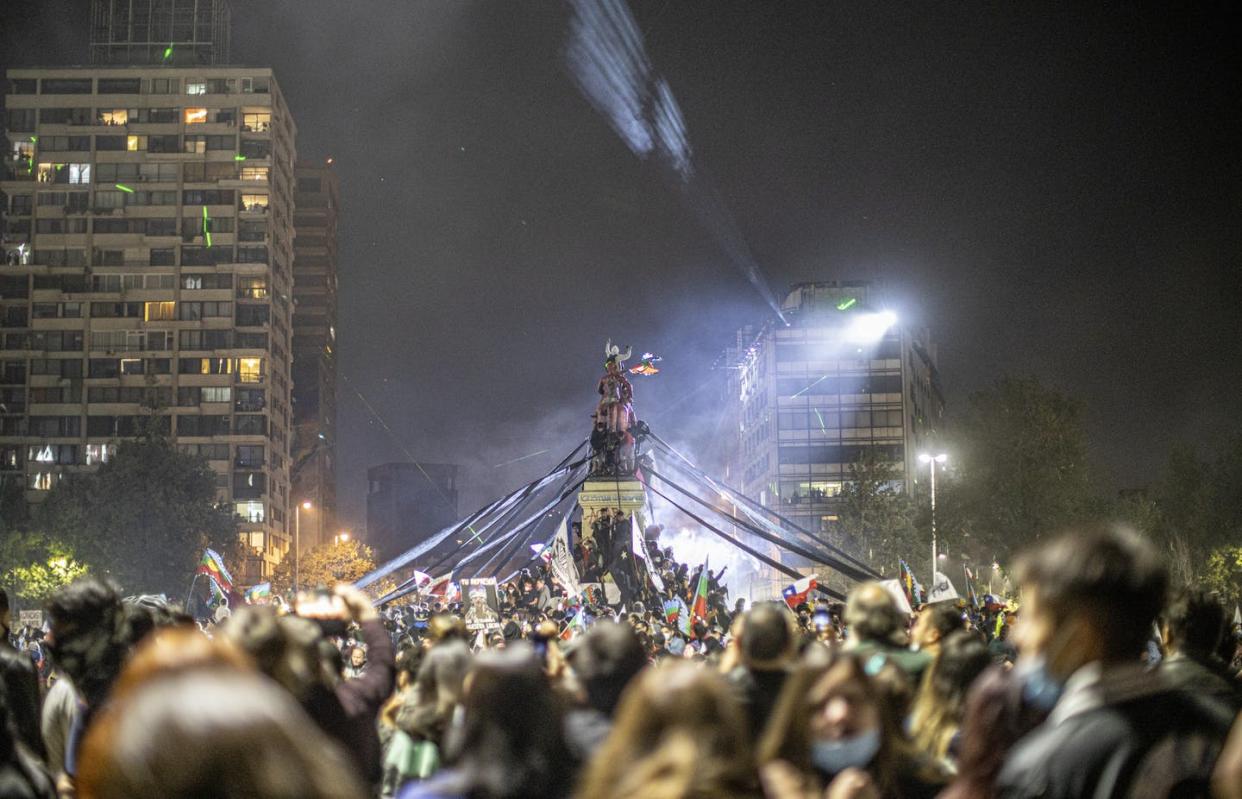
pixel 34 566
pixel 876 516
pixel 143 518
pixel 325 565
pixel 1224 574
pixel 1021 471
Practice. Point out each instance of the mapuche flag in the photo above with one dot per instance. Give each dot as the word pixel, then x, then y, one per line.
pixel 698 609
pixel 212 565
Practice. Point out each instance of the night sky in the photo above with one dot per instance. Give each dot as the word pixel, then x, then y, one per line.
pixel 1053 191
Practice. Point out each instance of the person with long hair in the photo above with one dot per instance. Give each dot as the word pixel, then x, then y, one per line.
pixel 834 722
pixel 941 701
pixel 507 741
pixel 215 731
pixel 679 732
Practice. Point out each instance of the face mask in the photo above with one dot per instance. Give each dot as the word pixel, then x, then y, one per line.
pixel 1040 689
pixel 833 757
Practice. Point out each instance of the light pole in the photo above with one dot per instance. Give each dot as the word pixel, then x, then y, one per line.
pixel 932 460
pixel 297 540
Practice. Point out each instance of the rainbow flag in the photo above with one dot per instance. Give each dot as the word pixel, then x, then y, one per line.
pixel 698 608
pixel 212 565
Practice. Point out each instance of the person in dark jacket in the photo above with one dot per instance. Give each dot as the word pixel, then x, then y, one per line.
pixel 20 680
pixel 1089 601
pixel 768 644
pixel 604 660
pixel 1192 626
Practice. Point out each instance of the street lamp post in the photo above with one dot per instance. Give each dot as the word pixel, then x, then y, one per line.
pixel 932 460
pixel 297 540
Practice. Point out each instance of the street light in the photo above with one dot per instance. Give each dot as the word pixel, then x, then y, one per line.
pixel 340 537
pixel 932 460
pixel 297 540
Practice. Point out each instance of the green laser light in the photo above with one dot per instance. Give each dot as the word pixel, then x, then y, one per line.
pixel 124 188
pixel 239 157
pixel 845 305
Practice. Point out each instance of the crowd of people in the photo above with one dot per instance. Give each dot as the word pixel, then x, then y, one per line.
pixel 1102 681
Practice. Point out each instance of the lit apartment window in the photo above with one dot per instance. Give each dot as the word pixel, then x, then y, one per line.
pixel 194 116
pixel 254 288
pixel 159 311
pixel 195 86
pixel 250 511
pixel 250 370
pixel 136 144
pixel 251 202
pixel 99 453
pixel 254 173
pixel 42 481
pixel 256 121
pixel 113 116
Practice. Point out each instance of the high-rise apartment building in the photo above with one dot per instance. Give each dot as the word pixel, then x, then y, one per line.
pixel 407 503
pixel 166 32
pixel 843 379
pixel 317 199
pixel 147 278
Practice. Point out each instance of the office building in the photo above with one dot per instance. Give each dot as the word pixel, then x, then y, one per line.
pixel 317 198
pixel 407 503
pixel 808 399
pixel 147 278
pixel 163 32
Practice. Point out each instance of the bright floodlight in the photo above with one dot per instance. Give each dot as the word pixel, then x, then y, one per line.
pixel 306 505
pixel 938 458
pixel 866 328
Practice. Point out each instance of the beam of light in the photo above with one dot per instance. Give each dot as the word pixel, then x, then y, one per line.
pixel 206 226
pixel 524 457
pixel 608 60
pixel 845 305
pixel 821 422
pixel 869 328
pixel 124 188
pixel 239 157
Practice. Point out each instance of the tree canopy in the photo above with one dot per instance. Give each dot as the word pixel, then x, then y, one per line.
pixel 143 518
pixel 325 565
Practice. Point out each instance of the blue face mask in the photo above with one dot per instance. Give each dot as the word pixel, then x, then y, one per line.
pixel 1040 689
pixel 856 751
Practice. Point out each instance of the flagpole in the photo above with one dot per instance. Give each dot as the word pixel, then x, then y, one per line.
pixel 190 593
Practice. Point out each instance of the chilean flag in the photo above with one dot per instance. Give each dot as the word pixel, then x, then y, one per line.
pixel 443 588
pixel 796 594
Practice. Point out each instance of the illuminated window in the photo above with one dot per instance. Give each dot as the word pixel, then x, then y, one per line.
pixel 113 116
pixel 42 481
pixel 135 143
pixel 99 453
pixel 159 311
pixel 250 511
pixel 254 288
pixel 256 121
pixel 195 116
pixel 195 86
pixel 79 173
pixel 250 370
pixel 250 202
pixel 254 173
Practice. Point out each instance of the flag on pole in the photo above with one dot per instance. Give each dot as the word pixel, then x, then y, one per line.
pixel 574 627
pixel 638 543
pixel 257 592
pixel 420 579
pixel 443 588
pixel 212 565
pixel 698 609
pixel 970 587
pixel 910 584
pixel 562 560
pixel 683 617
pixel 796 593
pixel 672 608
pixel 942 589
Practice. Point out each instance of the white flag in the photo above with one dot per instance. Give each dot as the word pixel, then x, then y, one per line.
pixel 894 589
pixel 941 590
pixel 562 560
pixel 638 543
